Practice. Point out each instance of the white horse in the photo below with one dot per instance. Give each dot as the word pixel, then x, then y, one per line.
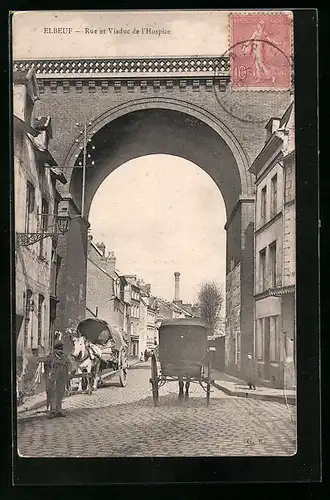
pixel 88 358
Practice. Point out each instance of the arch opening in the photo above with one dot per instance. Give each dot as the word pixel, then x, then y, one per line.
pixel 160 214
pixel 158 130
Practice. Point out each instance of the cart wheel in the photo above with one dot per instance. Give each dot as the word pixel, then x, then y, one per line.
pixel 123 366
pixel 154 380
pixel 208 392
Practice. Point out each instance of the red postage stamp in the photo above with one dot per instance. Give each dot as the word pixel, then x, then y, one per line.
pixel 261 50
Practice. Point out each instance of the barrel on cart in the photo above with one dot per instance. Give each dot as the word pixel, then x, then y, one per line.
pixel 183 354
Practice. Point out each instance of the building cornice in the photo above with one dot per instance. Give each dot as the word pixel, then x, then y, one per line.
pixel 265 226
pixel 116 74
pixel 211 66
pixel 276 292
pixel 241 199
pixel 283 290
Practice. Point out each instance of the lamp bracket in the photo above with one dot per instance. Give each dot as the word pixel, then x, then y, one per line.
pixel 27 239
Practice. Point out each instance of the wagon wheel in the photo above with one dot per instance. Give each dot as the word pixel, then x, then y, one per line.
pixel 208 392
pixel 208 383
pixel 123 367
pixel 154 380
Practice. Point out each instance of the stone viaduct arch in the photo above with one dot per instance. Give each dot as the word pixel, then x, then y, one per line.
pixel 194 115
pixel 161 125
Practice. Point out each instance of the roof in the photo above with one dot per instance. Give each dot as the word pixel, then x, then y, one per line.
pixel 274 142
pixel 24 126
pixel 286 117
pixel 173 306
pixel 183 322
pixel 42 153
pixel 143 302
pixel 106 272
pixel 58 174
pixel 28 78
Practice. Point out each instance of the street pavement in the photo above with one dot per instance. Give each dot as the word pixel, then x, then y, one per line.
pixel 123 422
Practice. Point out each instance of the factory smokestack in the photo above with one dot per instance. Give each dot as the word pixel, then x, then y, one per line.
pixel 176 286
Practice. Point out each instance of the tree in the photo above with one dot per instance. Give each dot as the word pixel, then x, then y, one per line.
pixel 210 300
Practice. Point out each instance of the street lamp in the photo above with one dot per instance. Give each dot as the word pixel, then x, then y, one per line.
pixel 63 220
pixel 61 225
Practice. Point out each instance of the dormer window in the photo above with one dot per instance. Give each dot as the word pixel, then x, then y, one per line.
pixel 271 127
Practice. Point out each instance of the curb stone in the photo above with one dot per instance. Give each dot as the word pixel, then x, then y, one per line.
pixel 265 397
pixel 39 404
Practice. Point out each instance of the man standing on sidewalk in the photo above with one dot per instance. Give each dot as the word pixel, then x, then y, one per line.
pixel 251 372
pixel 57 376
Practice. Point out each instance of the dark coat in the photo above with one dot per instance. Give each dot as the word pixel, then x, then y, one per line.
pixel 56 370
pixel 251 371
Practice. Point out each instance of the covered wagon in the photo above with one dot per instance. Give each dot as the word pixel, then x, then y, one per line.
pixel 111 342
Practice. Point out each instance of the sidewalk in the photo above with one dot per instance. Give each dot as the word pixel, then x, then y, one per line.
pixel 236 387
pixel 39 400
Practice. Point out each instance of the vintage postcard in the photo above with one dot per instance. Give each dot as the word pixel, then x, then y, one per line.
pixel 155 248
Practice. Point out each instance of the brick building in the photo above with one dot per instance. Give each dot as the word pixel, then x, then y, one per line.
pixel 103 297
pixel 274 288
pixel 36 206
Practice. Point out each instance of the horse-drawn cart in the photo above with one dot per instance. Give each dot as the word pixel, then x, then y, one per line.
pixel 106 343
pixel 184 356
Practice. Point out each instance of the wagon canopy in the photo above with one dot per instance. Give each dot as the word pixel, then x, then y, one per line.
pixel 100 332
pixel 182 346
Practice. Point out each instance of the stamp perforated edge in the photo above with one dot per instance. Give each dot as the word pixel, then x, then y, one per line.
pixel 289 13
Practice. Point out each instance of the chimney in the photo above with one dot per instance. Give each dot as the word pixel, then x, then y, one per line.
pixel 101 247
pixel 148 288
pixel 176 286
pixel 111 261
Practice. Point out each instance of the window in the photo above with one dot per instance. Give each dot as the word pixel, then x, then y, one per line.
pixel 274 339
pixel 289 181
pixel 272 264
pixel 41 300
pixel 262 270
pixel 29 207
pixel 44 223
pixel 263 206
pixel 260 339
pixel 273 209
pixel 27 317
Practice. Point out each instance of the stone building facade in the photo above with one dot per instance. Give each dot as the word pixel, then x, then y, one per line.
pixel 36 206
pixel 275 263
pixel 103 296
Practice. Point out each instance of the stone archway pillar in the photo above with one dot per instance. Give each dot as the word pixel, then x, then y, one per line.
pixel 239 285
pixel 71 284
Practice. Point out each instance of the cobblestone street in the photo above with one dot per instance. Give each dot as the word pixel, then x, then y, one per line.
pixel 117 421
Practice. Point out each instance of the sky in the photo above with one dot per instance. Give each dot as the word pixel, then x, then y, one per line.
pixel 181 33
pixel 162 214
